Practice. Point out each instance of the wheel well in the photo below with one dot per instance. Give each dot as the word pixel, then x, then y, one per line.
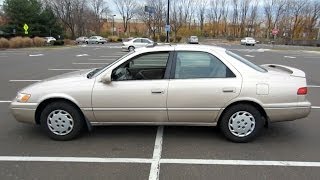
pixel 44 103
pixel 254 104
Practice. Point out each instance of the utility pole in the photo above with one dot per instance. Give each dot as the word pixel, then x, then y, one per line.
pixel 168 23
pixel 113 24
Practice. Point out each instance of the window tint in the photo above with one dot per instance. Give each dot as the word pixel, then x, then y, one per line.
pixel 200 65
pixel 137 41
pixel 246 62
pixel 145 41
pixel 148 66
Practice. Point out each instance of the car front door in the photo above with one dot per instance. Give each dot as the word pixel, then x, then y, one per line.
pixel 137 92
pixel 200 86
pixel 137 43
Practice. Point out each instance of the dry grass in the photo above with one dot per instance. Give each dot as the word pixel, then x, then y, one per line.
pixel 38 41
pixel 68 42
pixel 27 42
pixel 16 42
pixel 4 43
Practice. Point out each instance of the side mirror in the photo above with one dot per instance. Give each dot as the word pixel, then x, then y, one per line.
pixel 106 78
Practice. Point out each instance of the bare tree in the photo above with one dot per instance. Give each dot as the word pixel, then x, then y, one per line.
pixel 244 8
pixel 176 17
pixel 202 5
pixel 253 17
pixel 273 10
pixel 235 17
pixel 100 9
pixel 127 9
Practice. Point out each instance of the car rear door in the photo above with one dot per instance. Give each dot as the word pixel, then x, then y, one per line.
pixel 200 86
pixel 137 93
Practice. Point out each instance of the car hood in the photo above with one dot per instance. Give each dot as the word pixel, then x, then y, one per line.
pixel 58 80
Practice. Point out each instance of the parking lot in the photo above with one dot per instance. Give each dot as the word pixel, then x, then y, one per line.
pixel 287 150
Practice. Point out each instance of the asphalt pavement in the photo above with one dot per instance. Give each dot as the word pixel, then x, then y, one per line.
pixel 286 150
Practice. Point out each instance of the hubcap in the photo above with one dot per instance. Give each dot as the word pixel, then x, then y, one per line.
pixel 60 122
pixel 241 124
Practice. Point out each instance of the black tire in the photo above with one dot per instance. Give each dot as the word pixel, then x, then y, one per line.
pixel 224 123
pixel 131 48
pixel 78 120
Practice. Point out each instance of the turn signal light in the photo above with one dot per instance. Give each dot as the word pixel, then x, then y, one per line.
pixel 302 91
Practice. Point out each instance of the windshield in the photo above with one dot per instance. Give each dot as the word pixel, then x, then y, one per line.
pixel 101 69
pixel 246 62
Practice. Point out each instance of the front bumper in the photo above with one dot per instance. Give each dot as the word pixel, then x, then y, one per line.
pixel 24 112
pixel 289 113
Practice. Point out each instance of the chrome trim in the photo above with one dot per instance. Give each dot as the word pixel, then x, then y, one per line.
pixel 194 109
pixel 129 109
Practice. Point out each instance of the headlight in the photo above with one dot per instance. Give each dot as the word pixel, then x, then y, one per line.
pixel 22 97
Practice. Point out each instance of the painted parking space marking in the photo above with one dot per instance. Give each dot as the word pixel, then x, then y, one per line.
pixel 100 59
pixel 315 107
pixel 35 55
pixel 155 165
pixel 74 159
pixel 90 63
pixel 109 56
pixel 66 69
pixel 5 101
pixel 313 86
pixel 23 80
pixel 240 162
pixel 249 55
pixel 82 55
pixel 290 57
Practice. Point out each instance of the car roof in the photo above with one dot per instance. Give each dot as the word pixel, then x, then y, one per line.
pixel 180 47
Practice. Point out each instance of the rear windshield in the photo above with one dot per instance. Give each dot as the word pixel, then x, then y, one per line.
pixel 246 62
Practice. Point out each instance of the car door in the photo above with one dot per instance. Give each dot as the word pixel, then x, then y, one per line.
pixel 137 43
pixel 137 93
pixel 145 42
pixel 200 86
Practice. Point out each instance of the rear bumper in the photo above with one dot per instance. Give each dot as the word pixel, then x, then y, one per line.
pixel 24 112
pixel 289 113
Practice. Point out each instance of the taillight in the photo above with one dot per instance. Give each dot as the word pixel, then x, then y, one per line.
pixel 302 91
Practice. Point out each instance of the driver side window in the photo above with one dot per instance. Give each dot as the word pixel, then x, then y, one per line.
pixel 149 66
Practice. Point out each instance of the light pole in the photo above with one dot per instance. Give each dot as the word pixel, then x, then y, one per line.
pixel 113 24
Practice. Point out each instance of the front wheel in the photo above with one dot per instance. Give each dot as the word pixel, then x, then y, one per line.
pixel 131 48
pixel 61 121
pixel 241 123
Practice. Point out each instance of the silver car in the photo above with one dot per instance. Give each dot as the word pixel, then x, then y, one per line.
pixel 248 41
pixel 81 39
pixel 96 40
pixel 136 43
pixel 168 85
pixel 193 40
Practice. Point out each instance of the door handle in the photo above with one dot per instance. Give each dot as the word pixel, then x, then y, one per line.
pixel 157 91
pixel 229 90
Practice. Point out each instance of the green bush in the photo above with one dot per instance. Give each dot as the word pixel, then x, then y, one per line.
pixel 163 38
pixel 178 38
pixel 58 43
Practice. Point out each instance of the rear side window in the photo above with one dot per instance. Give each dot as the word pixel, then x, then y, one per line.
pixel 246 62
pixel 137 41
pixel 190 65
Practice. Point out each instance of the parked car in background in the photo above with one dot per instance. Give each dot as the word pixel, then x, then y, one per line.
pixel 168 85
pixel 248 41
pixel 193 40
pixel 96 40
pixel 136 43
pixel 81 39
pixel 50 40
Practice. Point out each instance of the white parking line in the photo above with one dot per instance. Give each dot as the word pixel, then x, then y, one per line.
pixel 5 101
pixel 290 57
pixel 240 162
pixel 249 55
pixel 109 56
pixel 66 69
pixel 81 55
pixel 313 86
pixel 74 159
pixel 23 80
pixel 155 165
pixel 35 55
pixel 315 107
pixel 101 59
pixel 90 63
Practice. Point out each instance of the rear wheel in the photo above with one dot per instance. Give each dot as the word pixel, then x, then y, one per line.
pixel 61 121
pixel 241 123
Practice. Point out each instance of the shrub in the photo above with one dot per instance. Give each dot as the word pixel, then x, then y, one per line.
pixel 119 39
pixel 16 42
pixel 58 43
pixel 171 39
pixel 27 42
pixel 68 42
pixel 163 38
pixel 113 39
pixel 178 38
pixel 37 41
pixel 155 38
pixel 4 43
